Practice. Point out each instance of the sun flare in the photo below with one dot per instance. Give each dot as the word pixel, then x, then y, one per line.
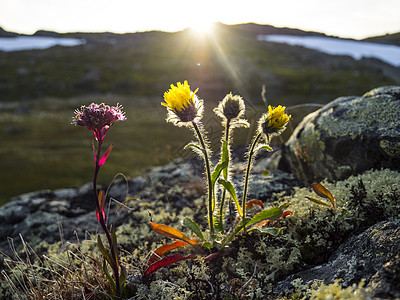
pixel 202 26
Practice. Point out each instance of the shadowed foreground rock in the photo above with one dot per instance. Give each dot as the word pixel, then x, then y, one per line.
pixel 347 137
pixel 373 255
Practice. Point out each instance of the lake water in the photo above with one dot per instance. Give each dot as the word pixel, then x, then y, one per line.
pixel 335 46
pixel 36 42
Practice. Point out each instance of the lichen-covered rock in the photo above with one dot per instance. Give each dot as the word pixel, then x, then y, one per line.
pixel 370 256
pixel 347 137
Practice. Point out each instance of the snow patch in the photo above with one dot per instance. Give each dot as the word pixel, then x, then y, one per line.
pixel 36 42
pixel 357 49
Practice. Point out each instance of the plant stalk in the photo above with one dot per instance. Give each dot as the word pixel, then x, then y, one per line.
pixel 246 182
pixel 225 175
pixel 102 222
pixel 208 172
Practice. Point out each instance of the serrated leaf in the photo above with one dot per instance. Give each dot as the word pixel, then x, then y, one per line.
pixel 165 262
pixel 322 191
pixel 229 187
pixel 172 233
pixel 165 248
pixel 192 225
pixel 105 156
pixel 315 200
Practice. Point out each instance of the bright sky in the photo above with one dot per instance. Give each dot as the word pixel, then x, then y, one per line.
pixel 345 18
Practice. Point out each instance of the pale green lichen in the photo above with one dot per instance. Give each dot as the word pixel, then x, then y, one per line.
pixel 376 113
pixel 391 148
pixel 249 269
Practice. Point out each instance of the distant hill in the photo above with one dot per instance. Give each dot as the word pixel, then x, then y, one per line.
pixel 146 63
pixel 392 39
pixel 257 29
pixel 4 33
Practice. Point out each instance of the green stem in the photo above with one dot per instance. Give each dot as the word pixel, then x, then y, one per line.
pixel 208 172
pixel 221 211
pixel 246 182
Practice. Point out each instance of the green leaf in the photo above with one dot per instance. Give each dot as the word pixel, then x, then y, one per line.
pixel 266 147
pixel 192 225
pixel 225 157
pixel 115 246
pixel 194 146
pixel 206 245
pixel 215 174
pixel 109 277
pixel 236 231
pixel 229 187
pixel 266 172
pixel 218 225
pixel 315 200
pixel 104 251
pixel 239 123
pixel 270 230
pixel 122 278
pixel 267 214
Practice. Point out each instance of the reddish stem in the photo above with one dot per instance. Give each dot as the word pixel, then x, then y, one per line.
pixel 102 217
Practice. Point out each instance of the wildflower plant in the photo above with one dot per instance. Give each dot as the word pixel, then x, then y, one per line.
pixel 99 118
pixel 186 109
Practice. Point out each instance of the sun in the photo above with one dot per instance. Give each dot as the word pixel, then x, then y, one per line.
pixel 202 26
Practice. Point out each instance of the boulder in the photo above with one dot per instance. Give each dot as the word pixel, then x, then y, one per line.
pixel 372 255
pixel 347 137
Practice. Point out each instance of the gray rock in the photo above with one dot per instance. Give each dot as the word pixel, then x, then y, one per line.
pixel 370 255
pixel 347 136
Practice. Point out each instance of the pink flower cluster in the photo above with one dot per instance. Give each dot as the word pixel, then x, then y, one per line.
pixel 98 117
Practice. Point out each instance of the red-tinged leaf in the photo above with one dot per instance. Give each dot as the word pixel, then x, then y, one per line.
pixel 172 233
pixel 102 200
pixel 165 262
pixel 94 152
pixel 322 191
pixel 105 156
pixel 165 248
pixel 266 222
pixel 286 213
pixel 253 203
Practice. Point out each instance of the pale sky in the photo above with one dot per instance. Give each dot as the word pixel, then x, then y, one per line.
pixel 344 18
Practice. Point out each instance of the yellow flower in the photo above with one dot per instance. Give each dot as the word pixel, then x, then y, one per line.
pixel 274 122
pixel 182 104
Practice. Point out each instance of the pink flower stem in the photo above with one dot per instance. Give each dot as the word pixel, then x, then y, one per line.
pixel 102 218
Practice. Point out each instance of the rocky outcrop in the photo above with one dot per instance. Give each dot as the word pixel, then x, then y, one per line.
pixel 347 137
pixel 69 213
pixel 372 255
